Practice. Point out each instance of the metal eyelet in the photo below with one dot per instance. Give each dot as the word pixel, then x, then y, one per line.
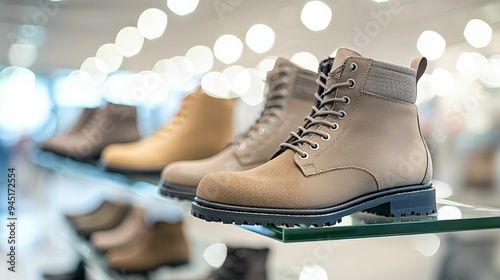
pixel 344 114
pixel 334 127
pixel 242 146
pixel 314 147
pixel 325 138
pixel 347 100
pixel 305 156
pixel 262 130
pixel 354 67
pixel 286 70
pixel 352 83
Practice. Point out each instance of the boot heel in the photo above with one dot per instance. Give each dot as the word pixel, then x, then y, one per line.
pixel 414 203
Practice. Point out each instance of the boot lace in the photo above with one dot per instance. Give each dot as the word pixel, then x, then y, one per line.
pixel 274 104
pixel 323 108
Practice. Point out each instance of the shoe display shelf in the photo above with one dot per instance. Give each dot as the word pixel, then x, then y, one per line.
pixel 451 215
pixel 136 184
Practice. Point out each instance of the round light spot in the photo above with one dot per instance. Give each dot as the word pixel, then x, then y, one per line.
pixel 94 71
pixel 306 60
pixel 228 48
pixel 313 272
pixel 449 212
pixel 182 7
pixel 260 38
pixel 255 93
pixel 478 33
pixel 129 41
pixel 202 59
pixel 73 91
pixel 184 70
pixel 316 15
pixel 491 76
pixel 442 81
pixel 17 79
pixel 215 84
pixel 215 254
pixel 471 65
pixel 426 244
pixel 23 55
pixel 431 45
pixel 239 79
pixel 111 56
pixel 152 23
pixel 267 64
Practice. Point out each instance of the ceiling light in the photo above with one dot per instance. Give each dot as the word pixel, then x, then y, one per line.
pixel 313 272
pixel 152 23
pixel 471 65
pixel 215 84
pixel 94 71
pixel 267 64
pixel 23 55
pixel 442 81
pixel 202 59
pixel 182 7
pixel 129 41
pixel 431 45
pixel 306 60
pixel 228 48
pixel 260 38
pixel 111 56
pixel 316 15
pixel 478 33
pixel 255 93
pixel 239 79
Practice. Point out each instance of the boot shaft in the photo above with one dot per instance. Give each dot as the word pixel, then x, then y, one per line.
pixel 376 131
pixel 291 90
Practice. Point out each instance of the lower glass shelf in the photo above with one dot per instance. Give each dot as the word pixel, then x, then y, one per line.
pixel 451 216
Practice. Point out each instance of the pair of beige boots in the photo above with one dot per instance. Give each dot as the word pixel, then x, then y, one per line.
pixel 359 149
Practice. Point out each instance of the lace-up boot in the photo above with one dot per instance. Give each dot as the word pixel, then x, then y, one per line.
pixel 288 100
pixel 94 130
pixel 201 128
pixel 360 149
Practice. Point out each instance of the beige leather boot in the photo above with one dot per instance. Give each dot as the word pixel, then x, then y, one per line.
pixel 360 149
pixel 94 130
pixel 288 101
pixel 201 128
pixel 164 244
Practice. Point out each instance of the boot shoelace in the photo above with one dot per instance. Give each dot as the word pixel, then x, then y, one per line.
pixel 181 115
pixel 274 103
pixel 322 109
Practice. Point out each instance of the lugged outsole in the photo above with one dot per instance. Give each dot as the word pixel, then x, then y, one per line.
pixel 401 202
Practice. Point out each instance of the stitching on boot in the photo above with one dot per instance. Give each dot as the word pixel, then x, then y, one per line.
pixel 383 98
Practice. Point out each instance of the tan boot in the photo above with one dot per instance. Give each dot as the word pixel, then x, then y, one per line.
pixel 96 129
pixel 131 227
pixel 163 245
pixel 360 149
pixel 288 100
pixel 201 128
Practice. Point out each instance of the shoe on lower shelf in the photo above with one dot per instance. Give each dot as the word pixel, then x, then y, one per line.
pixel 163 244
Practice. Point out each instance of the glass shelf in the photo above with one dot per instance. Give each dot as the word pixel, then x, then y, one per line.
pixel 451 216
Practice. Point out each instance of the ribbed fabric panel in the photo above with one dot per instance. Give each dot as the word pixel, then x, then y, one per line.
pixel 392 81
pixel 306 85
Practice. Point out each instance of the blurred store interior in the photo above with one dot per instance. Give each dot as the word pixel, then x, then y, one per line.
pixel 59 57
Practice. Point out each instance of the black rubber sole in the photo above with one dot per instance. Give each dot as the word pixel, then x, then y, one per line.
pixel 180 192
pixel 396 202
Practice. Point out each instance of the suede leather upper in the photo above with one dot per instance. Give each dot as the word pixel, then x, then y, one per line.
pixel 378 145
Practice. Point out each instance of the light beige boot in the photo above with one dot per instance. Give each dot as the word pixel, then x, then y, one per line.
pixel 360 149
pixel 288 101
pixel 94 130
pixel 201 128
